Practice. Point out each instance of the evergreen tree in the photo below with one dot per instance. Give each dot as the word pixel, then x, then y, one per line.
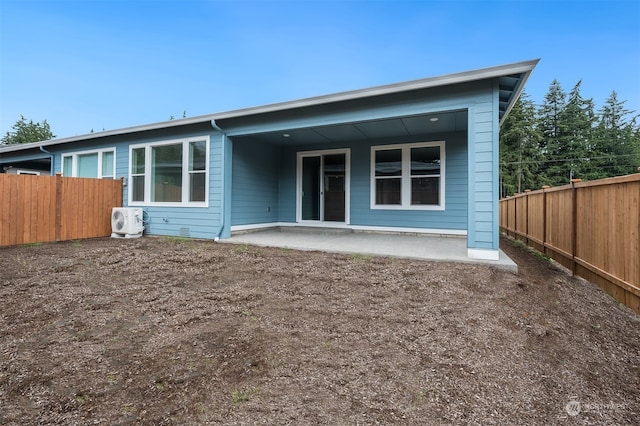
pixel 564 138
pixel 576 133
pixel 616 140
pixel 549 122
pixel 519 148
pixel 25 132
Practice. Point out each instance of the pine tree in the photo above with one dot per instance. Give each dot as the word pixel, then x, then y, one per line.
pixel 616 140
pixel 519 148
pixel 549 127
pixel 576 133
pixel 24 131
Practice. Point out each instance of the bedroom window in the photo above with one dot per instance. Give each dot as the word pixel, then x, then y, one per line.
pixel 408 176
pixel 170 173
pixel 90 164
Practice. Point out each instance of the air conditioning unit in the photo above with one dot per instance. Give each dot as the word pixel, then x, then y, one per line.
pixel 126 222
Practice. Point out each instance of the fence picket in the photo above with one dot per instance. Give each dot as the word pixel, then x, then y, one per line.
pixel 592 228
pixel 37 209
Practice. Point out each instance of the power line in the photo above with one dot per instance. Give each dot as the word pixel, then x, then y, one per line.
pixel 608 157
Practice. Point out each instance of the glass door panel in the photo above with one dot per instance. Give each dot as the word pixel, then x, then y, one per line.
pixel 311 190
pixel 334 187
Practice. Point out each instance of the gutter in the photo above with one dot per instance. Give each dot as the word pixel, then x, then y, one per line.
pixel 222 205
pixel 50 159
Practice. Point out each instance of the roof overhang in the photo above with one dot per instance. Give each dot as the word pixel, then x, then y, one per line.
pixel 511 78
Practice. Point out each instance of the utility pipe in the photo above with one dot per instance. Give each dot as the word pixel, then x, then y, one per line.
pixel 50 160
pixel 222 204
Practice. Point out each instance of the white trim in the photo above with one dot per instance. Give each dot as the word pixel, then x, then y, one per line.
pixel 483 254
pixel 443 80
pixel 74 161
pixel 185 173
pixel 256 226
pixel 455 232
pixel 347 186
pixel 400 230
pixel 405 177
pixel 524 67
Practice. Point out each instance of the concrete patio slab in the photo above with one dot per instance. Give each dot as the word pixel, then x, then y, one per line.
pixel 445 249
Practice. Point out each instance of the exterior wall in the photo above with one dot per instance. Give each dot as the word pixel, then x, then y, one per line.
pixel 199 222
pixel 254 185
pixel 483 216
pixel 470 206
pixel 287 197
pixel 454 217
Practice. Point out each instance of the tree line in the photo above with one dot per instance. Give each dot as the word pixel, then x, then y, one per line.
pixel 565 138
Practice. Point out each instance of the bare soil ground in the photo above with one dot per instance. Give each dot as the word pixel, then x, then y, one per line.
pixel 165 331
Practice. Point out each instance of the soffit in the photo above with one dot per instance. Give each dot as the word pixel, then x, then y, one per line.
pixel 401 127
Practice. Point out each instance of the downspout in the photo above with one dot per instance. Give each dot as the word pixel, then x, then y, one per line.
pixel 222 211
pixel 50 160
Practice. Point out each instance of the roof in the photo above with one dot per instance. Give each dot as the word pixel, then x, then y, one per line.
pixel 511 77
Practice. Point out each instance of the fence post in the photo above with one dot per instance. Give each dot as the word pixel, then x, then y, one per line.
pixel 58 224
pixel 544 218
pixel 515 217
pixel 526 215
pixel 574 224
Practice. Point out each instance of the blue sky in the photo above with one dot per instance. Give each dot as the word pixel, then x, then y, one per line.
pixel 92 64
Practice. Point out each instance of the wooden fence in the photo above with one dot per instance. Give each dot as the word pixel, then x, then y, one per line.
pixel 593 228
pixel 37 209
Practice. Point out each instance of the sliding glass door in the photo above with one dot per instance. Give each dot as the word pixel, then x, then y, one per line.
pixel 323 180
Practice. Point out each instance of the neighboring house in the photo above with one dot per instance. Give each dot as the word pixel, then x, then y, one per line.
pixel 419 156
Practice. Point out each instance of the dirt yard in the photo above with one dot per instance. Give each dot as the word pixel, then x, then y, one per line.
pixel 167 331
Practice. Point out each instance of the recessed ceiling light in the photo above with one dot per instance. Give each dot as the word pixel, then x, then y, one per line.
pixel 433 119
pixel 286 135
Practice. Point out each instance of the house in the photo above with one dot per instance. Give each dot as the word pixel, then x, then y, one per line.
pixel 419 156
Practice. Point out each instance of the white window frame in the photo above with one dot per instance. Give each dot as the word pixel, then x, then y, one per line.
pixel 405 186
pixel 347 185
pixel 186 174
pixel 28 172
pixel 74 162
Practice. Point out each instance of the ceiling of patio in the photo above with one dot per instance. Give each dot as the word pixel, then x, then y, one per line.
pixel 416 125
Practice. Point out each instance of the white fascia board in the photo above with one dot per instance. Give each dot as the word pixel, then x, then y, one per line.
pixel 518 91
pixel 107 133
pixel 444 80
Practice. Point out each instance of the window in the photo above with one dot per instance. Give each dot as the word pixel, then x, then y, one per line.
pixel 90 164
pixel 409 176
pixel 170 173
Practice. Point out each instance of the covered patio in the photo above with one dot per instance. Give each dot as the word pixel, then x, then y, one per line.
pixel 419 157
pixel 332 240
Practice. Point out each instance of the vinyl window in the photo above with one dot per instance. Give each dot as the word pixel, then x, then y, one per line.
pixel 90 164
pixel 408 176
pixel 170 173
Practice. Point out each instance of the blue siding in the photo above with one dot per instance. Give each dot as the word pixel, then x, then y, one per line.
pixel 251 182
pixel 403 104
pixel 122 154
pixel 254 186
pixel 256 168
pixel 472 158
pixel 454 217
pixel 483 171
pixel 287 185
pixel 198 222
